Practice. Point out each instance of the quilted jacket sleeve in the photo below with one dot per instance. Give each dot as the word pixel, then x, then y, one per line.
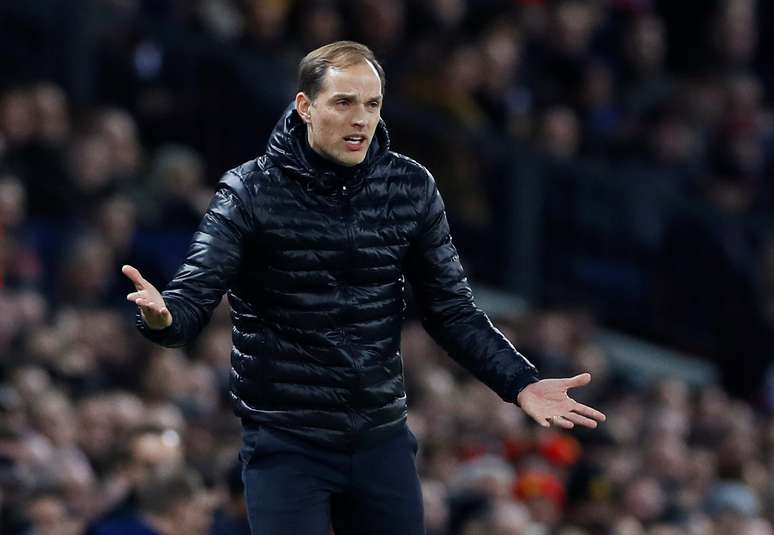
pixel 449 313
pixel 213 261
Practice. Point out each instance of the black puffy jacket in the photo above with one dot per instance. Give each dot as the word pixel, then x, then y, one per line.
pixel 314 257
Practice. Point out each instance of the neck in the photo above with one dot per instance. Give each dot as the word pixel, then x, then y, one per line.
pixel 315 150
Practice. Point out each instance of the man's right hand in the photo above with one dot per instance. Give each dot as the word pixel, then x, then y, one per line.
pixel 152 307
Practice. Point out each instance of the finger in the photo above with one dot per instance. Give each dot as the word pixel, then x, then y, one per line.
pixel 542 420
pixel 578 380
pixel 161 310
pixel 585 410
pixel 581 420
pixel 141 300
pixel 149 306
pixel 134 276
pixel 560 421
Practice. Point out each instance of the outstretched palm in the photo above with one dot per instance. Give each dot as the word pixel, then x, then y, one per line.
pixel 152 307
pixel 548 404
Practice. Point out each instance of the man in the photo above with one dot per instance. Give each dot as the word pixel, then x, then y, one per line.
pixel 313 241
pixel 166 504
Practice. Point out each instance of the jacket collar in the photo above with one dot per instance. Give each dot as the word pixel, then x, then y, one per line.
pixel 288 148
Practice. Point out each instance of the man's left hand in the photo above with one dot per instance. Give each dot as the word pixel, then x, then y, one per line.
pixel 548 404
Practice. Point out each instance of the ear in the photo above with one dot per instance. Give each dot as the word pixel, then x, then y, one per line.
pixel 303 105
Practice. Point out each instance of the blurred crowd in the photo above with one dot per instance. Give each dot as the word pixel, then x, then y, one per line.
pixel 117 117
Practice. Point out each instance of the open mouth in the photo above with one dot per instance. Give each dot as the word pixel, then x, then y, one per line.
pixel 355 142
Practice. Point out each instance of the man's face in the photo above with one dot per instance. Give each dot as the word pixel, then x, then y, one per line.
pixel 342 119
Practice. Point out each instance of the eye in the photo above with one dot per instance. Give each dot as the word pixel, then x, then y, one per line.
pixel 374 104
pixel 342 103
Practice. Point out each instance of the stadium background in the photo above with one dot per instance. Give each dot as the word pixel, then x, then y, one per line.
pixel 607 168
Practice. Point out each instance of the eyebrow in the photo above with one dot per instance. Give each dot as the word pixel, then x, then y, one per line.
pixel 353 96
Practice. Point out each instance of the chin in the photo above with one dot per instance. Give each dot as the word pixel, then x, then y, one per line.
pixel 352 161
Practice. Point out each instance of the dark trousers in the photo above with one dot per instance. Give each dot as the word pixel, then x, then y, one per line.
pixel 299 489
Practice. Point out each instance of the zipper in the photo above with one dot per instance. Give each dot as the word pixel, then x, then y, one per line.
pixel 347 219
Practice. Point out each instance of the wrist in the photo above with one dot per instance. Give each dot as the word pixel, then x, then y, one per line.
pixel 157 325
pixel 524 387
pixel 521 396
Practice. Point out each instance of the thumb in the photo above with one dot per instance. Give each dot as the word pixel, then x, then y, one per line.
pixel 578 380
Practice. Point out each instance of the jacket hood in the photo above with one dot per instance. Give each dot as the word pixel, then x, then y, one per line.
pixel 289 149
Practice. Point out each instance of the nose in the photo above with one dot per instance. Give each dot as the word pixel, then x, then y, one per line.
pixel 359 119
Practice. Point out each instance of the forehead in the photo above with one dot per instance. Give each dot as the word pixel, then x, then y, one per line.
pixel 360 78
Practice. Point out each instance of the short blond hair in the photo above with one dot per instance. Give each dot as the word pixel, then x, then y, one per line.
pixel 339 55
